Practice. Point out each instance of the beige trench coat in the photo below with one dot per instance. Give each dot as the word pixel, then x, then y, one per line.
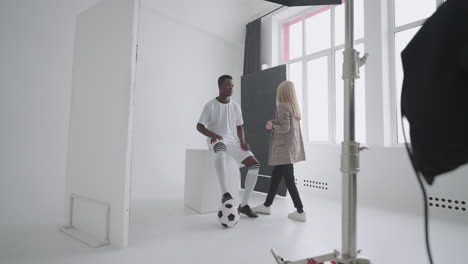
pixel 286 144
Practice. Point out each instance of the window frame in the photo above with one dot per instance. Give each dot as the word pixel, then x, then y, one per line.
pixel 301 17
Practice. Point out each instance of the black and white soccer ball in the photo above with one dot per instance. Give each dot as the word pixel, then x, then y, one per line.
pixel 228 216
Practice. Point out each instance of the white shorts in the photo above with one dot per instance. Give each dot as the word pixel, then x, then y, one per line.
pixel 233 150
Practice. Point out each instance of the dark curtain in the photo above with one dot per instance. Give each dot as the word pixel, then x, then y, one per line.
pixel 252 47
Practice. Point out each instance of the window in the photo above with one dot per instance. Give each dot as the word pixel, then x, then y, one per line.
pixel 340 22
pixel 408 17
pixel 293 39
pixel 401 40
pixel 318 99
pixel 295 76
pixel 407 12
pixel 313 46
pixel 318 30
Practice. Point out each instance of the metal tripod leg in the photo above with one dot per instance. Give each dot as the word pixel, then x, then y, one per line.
pixel 314 260
pixel 334 258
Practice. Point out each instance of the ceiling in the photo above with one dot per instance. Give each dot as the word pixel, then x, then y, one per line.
pixel 224 18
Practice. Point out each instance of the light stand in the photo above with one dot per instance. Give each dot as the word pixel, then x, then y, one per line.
pixel 349 158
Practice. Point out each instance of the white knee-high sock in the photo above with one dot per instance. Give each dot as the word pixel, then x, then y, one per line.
pixel 220 165
pixel 250 182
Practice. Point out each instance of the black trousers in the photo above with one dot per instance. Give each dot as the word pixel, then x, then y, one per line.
pixel 287 172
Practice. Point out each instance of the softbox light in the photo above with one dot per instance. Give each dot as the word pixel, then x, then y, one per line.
pixel 435 91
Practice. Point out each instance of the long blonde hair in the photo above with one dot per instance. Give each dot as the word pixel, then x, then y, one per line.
pixel 286 94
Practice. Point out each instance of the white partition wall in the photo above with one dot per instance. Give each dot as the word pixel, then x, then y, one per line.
pixel 101 117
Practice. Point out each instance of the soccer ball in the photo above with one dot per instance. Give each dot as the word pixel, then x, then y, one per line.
pixel 227 214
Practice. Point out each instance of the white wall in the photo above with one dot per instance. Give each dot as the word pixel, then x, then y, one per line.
pixel 178 65
pixel 99 138
pixel 36 51
pixel 386 179
pixel 35 83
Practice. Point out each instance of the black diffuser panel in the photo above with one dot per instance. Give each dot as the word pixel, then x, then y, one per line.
pixel 258 100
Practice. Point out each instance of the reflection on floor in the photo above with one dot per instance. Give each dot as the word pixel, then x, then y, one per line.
pixel 164 231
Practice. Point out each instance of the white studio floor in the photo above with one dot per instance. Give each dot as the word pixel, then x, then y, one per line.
pixel 164 231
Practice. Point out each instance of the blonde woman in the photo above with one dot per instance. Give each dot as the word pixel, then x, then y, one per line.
pixel 286 148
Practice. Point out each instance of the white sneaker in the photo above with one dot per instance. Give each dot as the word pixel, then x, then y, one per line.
pixel 262 209
pixel 298 216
